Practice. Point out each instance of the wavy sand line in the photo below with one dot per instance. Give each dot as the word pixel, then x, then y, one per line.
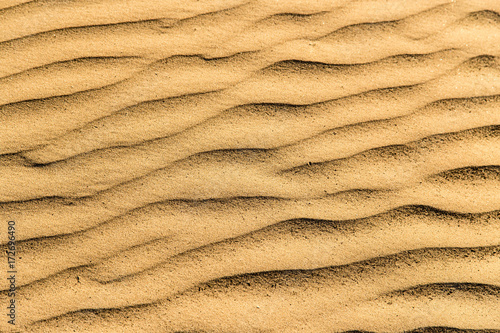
pixel 168 117
pixel 185 75
pixel 251 172
pixel 466 190
pixel 434 305
pixel 454 26
pixel 356 43
pixel 246 28
pixel 251 204
pixel 339 285
pixel 380 315
pixel 478 76
pixel 318 243
pixel 68 78
pixel 4 4
pixel 422 306
pixel 44 15
pixel 298 134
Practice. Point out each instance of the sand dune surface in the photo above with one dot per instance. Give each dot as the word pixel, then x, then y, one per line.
pixel 250 166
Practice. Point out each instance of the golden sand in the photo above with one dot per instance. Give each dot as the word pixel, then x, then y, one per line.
pixel 258 166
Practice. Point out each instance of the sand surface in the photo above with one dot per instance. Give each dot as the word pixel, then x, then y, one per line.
pixel 250 166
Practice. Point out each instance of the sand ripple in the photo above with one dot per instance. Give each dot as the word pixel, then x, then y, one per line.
pixel 258 166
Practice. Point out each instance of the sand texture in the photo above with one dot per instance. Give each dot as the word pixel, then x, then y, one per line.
pixel 254 166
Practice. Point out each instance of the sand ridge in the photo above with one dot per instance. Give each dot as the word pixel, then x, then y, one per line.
pixel 251 166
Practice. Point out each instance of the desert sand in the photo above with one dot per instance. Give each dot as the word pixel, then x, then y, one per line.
pixel 250 166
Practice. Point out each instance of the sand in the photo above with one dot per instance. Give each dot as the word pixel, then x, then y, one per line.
pixel 258 166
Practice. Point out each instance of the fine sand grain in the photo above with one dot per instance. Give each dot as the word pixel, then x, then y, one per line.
pixel 250 166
